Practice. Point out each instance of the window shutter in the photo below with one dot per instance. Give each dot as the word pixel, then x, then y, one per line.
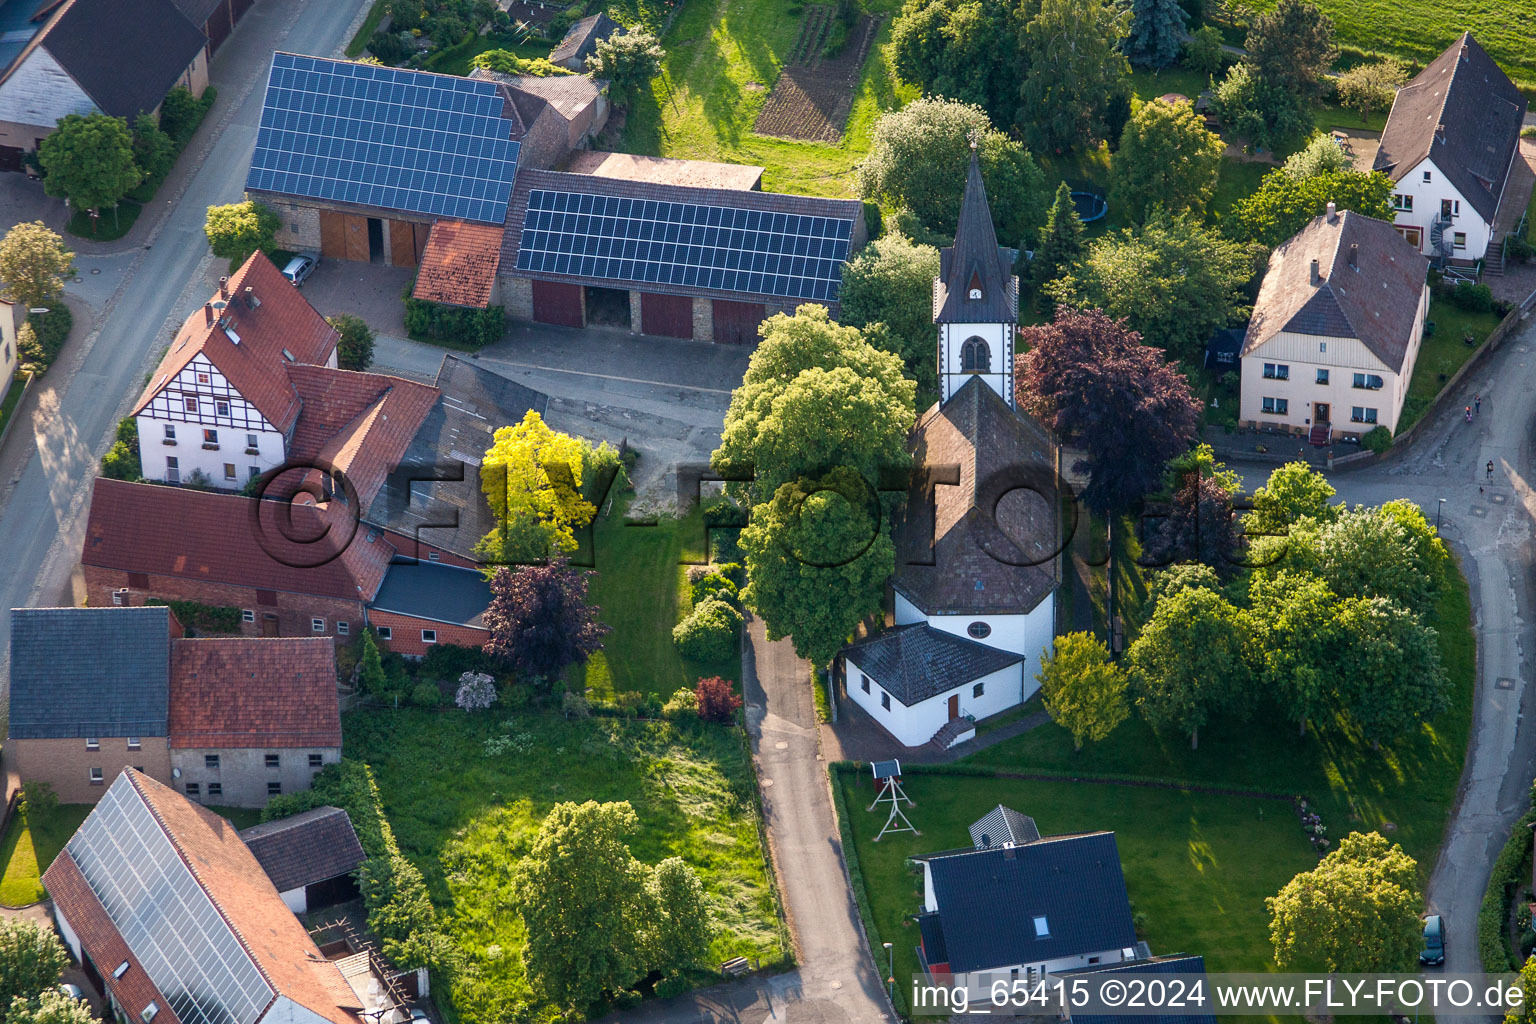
pixel 138 580
pixel 267 597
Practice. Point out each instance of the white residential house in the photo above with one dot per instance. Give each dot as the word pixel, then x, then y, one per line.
pixel 1017 906
pixel 1336 330
pixel 977 565
pixel 221 403
pixel 1449 145
pixel 12 316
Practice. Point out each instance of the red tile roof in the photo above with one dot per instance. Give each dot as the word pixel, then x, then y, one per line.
pixel 358 423
pixel 100 940
pixel 226 538
pixel 234 692
pixel 459 263
pixel 233 879
pixel 281 320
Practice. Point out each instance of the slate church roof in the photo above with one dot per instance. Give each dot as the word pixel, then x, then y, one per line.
pixel 975 261
pixel 916 662
pixel 1463 113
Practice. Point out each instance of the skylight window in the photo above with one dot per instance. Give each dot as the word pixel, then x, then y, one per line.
pixel 1042 928
pixel 121 970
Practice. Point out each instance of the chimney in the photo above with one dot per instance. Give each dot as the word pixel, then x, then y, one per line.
pixel 1440 132
pixel 1354 256
pixel 1316 277
pixel 1333 211
pixel 224 288
pixel 208 314
pixel 251 301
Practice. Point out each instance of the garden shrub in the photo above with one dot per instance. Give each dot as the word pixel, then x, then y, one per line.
pixel 122 460
pixel 469 328
pixel 425 694
pixel 476 692
pixel 575 705
pixel 682 702
pixel 450 661
pixel 733 571
pixel 1503 882
pixel 713 586
pixel 717 701
pixel 722 511
pixel 1378 440
pixel 1475 298
pixel 204 618
pixel 49 331
pixel 709 631
pixel 181 114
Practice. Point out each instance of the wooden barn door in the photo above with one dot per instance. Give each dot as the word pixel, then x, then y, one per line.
pixel 402 243
pixel 736 322
pixel 333 235
pixel 558 303
pixel 670 316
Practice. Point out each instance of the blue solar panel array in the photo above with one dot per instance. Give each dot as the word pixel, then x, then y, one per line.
pixel 381 137
pixel 691 245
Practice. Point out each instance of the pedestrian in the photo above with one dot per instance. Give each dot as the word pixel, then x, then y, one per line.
pixel 1477 400
pixel 1490 469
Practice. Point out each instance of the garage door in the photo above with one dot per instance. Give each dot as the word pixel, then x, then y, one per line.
pixel 556 303
pixel 670 316
pixel 218 26
pixel 403 251
pixel 343 236
pixel 736 322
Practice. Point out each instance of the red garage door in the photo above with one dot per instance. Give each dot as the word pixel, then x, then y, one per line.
pixel 670 316
pixel 556 303
pixel 736 322
pixel 218 26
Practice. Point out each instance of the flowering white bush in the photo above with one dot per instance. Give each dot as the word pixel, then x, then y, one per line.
pixel 477 691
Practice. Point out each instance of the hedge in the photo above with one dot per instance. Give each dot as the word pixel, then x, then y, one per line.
pixel 1503 882
pixel 51 329
pixel 205 618
pixel 453 325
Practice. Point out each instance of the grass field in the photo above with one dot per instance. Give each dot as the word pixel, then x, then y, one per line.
pixel 112 224
pixel 11 399
pixel 723 57
pixel 1405 788
pixel 641 591
pixel 1441 354
pixel 454 60
pixel 1197 866
pixel 365 32
pixel 465 817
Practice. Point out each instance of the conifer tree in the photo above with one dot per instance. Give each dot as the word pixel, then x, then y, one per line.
pixel 1061 245
pixel 1156 32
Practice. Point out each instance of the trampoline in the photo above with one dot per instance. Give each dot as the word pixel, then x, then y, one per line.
pixel 1090 207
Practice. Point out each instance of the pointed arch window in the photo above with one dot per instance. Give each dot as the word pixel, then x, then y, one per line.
pixel 975 356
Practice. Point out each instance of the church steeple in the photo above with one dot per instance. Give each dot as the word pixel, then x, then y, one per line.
pixel 976 298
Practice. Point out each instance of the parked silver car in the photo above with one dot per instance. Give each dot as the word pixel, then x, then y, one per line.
pixel 301 266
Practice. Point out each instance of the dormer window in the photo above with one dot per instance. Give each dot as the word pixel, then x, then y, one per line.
pixel 973 290
pixel 975 293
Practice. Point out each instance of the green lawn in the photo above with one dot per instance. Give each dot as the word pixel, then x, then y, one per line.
pixel 455 59
pixel 465 817
pixel 30 845
pixel 723 57
pixel 1441 354
pixel 1408 785
pixel 641 591
pixel 369 26
pixel 11 399
pixel 1421 29
pixel 113 223
pixel 1197 866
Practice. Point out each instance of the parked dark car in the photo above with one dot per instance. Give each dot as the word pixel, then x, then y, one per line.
pixel 1434 941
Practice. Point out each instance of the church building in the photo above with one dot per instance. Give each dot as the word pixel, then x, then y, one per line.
pixel 978 551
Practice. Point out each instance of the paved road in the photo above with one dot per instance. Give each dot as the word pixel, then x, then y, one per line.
pixel 46 477
pixel 1489 525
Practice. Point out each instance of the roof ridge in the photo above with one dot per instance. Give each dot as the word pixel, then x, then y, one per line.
pixel 1333 262
pixel 1450 83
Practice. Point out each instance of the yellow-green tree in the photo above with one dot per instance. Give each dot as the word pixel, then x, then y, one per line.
pixel 532 478
pixel 1357 911
pixel 1525 1012
pixel 1084 691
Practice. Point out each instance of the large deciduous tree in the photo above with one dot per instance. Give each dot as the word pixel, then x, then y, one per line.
pixel 582 897
pixel 1357 911
pixel 1089 378
pixel 1393 662
pixel 1200 524
pixel 1291 47
pixel 1321 155
pixel 532 476
pixel 1173 280
pixel 1061 245
pixel 967 50
pixel 50 1007
pixel 1293 492
pixel 34 264
pixel 1297 644
pixel 1370 87
pixel 629 60
pixel 539 620
pixel 354 350
pixel 236 230
pixel 1156 32
pixel 1261 112
pixel 890 282
pixel 31 961
pixel 1188 663
pixel 1284 203
pixel 680 930
pixel 1168 159
pixel 88 159
pixel 917 161
pixel 1084 691
pixel 1075 73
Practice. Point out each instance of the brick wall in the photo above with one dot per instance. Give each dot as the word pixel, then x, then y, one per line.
pixel 703 320
pixel 243 775
pixel 411 547
pixel 65 764
pixel 636 320
pixel 301 225
pixel 517 296
pixel 405 633
pixel 293 611
pixel 548 141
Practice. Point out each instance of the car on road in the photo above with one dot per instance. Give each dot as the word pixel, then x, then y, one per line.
pixel 300 267
pixel 1434 941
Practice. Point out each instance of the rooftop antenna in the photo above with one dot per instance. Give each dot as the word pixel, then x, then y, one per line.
pixel 888 790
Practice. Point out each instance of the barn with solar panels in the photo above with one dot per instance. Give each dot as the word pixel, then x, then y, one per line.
pixel 455 175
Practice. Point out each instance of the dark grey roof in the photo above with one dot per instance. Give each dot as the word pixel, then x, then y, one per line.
pixel 91 38
pixel 452 514
pixel 931 932
pixel 988 900
pixel 79 672
pixel 305 848
pixel 976 261
pixel 1003 825
pixel 1465 114
pixel 1224 347
pixel 581 38
pixel 435 592
pixel 1178 963
pixel 916 662
pixel 1368 286
pixel 199 11
pixel 989 545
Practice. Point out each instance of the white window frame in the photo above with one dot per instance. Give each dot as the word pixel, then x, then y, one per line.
pixel 1458 239
pixel 170 431
pixel 221 408
pixel 317 625
pixel 92 743
pixel 135 742
pixel 385 632
pixel 247 615
pixel 429 636
pixel 96 777
pixel 343 627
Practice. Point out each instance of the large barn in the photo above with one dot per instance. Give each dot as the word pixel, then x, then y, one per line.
pixel 459 176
